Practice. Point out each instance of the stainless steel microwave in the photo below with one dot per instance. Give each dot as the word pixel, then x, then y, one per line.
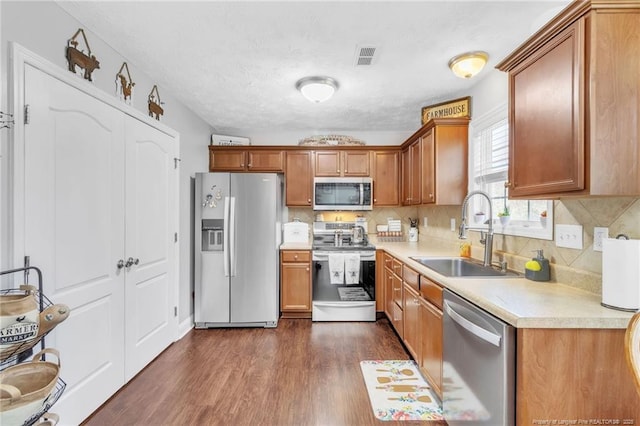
pixel 342 193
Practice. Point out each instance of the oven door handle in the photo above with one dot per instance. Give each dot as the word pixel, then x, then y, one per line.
pixel 343 304
pixel 472 328
pixel 325 256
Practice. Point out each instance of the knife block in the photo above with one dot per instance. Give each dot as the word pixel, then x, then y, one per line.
pixel 621 274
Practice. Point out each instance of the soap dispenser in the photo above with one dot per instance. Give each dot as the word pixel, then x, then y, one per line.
pixel 537 269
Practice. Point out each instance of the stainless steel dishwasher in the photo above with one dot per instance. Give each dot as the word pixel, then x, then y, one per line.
pixel 478 386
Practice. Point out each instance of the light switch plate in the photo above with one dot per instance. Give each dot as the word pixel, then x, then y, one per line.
pixel 424 221
pixel 569 236
pixel 453 224
pixel 599 235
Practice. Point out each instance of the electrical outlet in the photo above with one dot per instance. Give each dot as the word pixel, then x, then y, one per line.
pixel 424 221
pixel 453 224
pixel 569 236
pixel 599 235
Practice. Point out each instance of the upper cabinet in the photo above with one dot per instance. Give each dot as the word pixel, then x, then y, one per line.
pixel 385 171
pixel 444 161
pixel 243 159
pixel 411 173
pixel 574 103
pixel 434 163
pixel 342 163
pixel 299 178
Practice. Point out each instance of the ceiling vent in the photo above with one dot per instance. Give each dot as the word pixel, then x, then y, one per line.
pixel 364 55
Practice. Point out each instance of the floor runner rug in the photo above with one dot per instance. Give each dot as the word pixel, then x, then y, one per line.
pixel 398 391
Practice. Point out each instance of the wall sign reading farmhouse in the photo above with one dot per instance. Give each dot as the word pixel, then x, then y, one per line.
pixel 449 109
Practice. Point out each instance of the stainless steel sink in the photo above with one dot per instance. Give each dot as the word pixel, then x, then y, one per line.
pixel 461 267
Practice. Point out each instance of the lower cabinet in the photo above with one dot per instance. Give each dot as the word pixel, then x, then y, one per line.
pixel 418 318
pixel 430 352
pixel 295 283
pixel 411 312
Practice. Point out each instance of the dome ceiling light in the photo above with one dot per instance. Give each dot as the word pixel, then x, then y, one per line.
pixel 468 64
pixel 317 89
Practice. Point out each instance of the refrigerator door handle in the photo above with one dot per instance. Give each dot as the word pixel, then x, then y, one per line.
pixel 225 243
pixel 232 237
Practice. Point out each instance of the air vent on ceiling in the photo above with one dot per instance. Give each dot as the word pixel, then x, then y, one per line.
pixel 364 55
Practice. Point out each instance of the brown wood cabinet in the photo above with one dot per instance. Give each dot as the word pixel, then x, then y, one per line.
pixel 430 353
pixel 299 178
pixel 411 312
pixel 226 160
pixel 295 283
pixel 574 374
pixel 434 163
pixel 444 176
pixel 342 163
pixel 393 292
pixel 411 173
pixel 386 178
pixel 242 159
pixel 574 100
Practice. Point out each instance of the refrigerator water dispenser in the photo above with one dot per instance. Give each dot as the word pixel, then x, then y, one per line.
pixel 212 234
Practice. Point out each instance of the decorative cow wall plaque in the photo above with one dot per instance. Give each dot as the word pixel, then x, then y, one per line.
pixel 76 57
pixel 154 103
pixel 124 84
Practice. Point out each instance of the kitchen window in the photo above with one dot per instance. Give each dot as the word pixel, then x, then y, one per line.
pixel 489 164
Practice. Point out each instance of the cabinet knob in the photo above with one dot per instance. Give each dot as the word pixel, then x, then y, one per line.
pixel 120 264
pixel 431 196
pixel 338 171
pixel 249 165
pixel 507 184
pixel 295 256
pixel 307 269
pixel 131 261
pixel 309 200
pixel 375 200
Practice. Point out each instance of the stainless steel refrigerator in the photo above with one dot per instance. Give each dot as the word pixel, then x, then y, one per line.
pixel 238 219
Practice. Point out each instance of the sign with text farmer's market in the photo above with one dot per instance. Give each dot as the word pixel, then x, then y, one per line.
pixel 449 109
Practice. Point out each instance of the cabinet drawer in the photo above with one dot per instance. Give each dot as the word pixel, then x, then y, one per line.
pixel 387 260
pixel 397 267
pixel 431 291
pixel 411 277
pixel 296 256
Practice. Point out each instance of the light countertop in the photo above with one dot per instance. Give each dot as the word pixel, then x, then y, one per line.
pixel 295 246
pixel 517 301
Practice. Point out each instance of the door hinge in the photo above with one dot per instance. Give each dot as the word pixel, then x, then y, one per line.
pixel 175 162
pixel 175 311
pixel 27 117
pixel 175 237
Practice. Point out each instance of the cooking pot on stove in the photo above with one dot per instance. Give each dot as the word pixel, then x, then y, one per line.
pixel 358 235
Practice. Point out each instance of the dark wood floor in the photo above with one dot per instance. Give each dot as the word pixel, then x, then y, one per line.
pixel 300 373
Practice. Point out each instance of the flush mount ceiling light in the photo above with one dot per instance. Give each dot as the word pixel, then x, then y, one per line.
pixel 468 64
pixel 317 89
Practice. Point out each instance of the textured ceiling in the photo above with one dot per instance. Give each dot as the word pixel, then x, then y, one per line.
pixel 236 63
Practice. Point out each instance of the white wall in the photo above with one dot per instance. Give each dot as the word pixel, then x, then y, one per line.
pixel 44 28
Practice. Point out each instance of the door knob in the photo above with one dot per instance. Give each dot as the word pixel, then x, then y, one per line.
pixel 120 264
pixel 131 261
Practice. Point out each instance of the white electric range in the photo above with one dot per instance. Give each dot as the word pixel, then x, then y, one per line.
pixel 343 274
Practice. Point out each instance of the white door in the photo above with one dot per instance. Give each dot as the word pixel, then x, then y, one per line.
pixel 73 200
pixel 151 195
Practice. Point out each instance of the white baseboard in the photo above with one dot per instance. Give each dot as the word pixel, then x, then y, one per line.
pixel 184 327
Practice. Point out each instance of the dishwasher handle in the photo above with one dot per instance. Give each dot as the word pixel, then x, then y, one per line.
pixel 476 330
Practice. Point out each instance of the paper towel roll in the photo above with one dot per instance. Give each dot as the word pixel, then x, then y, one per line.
pixel 621 274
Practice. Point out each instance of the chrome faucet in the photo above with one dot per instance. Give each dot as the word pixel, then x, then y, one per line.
pixel 487 239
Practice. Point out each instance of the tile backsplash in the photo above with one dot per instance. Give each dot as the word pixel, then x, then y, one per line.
pixel 578 268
